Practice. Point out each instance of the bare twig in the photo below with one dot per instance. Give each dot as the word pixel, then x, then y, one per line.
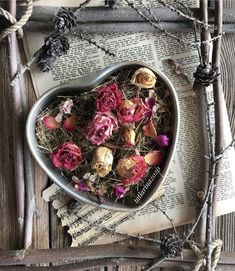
pixel 218 157
pixel 180 13
pixel 89 40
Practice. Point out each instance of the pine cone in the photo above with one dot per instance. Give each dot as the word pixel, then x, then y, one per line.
pixel 54 46
pixel 65 20
pixel 45 64
pixel 111 3
pixel 206 74
pixel 171 246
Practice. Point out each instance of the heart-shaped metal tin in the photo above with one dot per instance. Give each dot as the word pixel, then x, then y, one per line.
pixel 85 84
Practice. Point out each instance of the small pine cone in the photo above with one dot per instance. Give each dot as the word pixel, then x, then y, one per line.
pixel 171 246
pixel 56 45
pixel 65 20
pixel 111 3
pixel 45 64
pixel 206 74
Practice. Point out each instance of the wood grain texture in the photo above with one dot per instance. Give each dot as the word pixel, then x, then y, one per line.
pixel 8 233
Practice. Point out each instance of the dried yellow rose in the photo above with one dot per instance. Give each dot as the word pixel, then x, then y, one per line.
pixel 102 161
pixel 144 78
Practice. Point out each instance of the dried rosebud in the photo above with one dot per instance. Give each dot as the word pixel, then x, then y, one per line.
pixel 131 169
pixel 119 191
pixel 149 129
pixel 163 141
pixel 153 158
pixel 102 161
pixel 68 156
pixel 144 78
pixel 70 123
pixel 50 123
pixel 129 136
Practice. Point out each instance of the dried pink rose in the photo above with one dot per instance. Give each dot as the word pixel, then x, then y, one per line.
pixel 50 123
pixel 68 156
pixel 119 191
pixel 131 111
pixel 101 127
pixel 131 169
pixel 163 141
pixel 109 97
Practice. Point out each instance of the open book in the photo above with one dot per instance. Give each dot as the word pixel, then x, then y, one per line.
pixel 87 224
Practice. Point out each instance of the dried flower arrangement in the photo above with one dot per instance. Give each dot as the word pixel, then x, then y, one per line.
pixel 108 141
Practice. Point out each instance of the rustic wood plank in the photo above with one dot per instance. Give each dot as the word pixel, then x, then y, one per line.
pixel 41 218
pixel 8 233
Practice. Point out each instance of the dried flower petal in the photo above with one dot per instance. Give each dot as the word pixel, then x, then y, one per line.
pixel 70 123
pixel 102 161
pixel 153 158
pixel 50 123
pixel 149 129
pixel 129 136
pixel 59 117
pixel 163 141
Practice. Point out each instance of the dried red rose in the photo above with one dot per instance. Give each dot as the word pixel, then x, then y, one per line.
pixel 131 111
pixel 131 169
pixel 68 156
pixel 109 97
pixel 101 127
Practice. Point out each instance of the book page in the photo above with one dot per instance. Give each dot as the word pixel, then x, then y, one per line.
pixel 88 224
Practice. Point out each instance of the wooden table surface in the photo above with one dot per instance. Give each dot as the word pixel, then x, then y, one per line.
pixel 48 232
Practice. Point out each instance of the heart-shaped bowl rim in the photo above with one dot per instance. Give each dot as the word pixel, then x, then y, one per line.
pixel 84 84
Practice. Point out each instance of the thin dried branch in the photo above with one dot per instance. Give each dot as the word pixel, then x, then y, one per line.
pixel 17 132
pixel 218 157
pixel 180 13
pixel 90 41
